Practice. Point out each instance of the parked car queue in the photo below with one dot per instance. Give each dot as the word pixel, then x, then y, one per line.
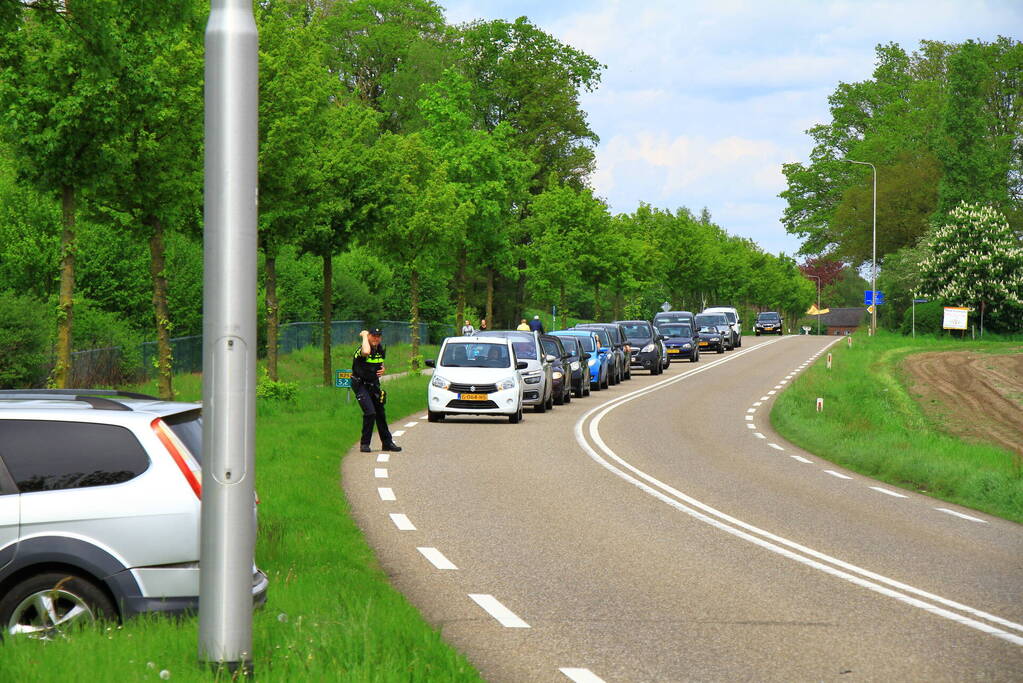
pixel 505 372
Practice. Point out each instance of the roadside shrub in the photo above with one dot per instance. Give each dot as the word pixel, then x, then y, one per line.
pixel 275 390
pixel 25 340
pixel 929 317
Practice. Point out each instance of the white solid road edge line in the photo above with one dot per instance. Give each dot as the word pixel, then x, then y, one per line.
pixel 494 608
pixel 402 522
pixel 581 675
pixel 437 558
pixel 774 542
pixel 959 514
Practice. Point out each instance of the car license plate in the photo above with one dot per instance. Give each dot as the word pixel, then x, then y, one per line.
pixel 473 397
pixel 674 351
pixel 768 327
pixel 704 343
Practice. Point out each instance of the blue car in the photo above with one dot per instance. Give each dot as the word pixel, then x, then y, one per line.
pixel 600 356
pixel 680 341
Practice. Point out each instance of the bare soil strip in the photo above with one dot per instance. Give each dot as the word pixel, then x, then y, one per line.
pixel 976 396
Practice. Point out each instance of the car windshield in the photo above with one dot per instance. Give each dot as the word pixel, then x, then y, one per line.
pixel 475 355
pixel 637 330
pixel 676 330
pixel 711 319
pixel 768 317
pixel 709 330
pixel 522 342
pixel 605 336
pixel 571 345
pixel 586 342
pixel 670 318
pixel 550 346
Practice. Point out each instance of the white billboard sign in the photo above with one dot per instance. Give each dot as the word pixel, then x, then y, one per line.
pixel 955 318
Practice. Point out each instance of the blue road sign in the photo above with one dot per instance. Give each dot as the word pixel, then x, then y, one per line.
pixel 343 379
pixel 873 297
pixel 920 301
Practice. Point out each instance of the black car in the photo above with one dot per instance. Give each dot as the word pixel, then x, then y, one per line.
pixel 577 362
pixel 720 323
pixel 767 322
pixel 645 343
pixel 680 341
pixel 617 340
pixel 711 339
pixel 561 367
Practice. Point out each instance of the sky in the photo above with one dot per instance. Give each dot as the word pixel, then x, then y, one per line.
pixel 701 102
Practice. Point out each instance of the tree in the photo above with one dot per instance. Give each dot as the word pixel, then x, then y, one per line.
pixel 59 98
pixel 421 219
pixel 976 259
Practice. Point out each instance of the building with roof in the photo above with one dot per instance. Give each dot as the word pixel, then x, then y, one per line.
pixel 843 321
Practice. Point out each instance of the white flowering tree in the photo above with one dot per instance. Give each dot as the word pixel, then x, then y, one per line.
pixel 975 259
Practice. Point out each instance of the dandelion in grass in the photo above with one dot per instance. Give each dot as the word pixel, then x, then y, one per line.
pixel 282 617
pixel 165 674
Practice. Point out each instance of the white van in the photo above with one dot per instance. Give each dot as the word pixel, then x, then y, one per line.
pixel 732 316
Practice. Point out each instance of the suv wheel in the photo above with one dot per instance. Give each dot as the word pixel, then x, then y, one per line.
pixel 50 605
pixel 434 417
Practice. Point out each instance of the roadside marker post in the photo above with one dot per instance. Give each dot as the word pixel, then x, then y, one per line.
pixel 829 360
pixel 820 404
pixel 848 341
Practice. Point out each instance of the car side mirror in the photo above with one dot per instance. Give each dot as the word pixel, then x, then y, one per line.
pixel 521 365
pixel 430 363
pixel 549 358
pixel 585 356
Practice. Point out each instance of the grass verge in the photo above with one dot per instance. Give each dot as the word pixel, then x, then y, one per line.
pixel 870 424
pixel 331 614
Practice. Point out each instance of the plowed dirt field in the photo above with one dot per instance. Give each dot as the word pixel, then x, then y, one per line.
pixel 977 396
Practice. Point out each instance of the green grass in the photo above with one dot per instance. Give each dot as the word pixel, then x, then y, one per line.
pixel 872 425
pixel 331 614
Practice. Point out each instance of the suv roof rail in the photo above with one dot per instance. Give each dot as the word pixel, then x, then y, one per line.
pixel 100 399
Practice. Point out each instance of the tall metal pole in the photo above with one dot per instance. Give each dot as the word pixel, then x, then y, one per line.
pixel 873 241
pixel 229 337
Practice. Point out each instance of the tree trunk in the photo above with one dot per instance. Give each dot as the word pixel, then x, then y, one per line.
pixel 62 368
pixel 157 272
pixel 561 305
pixel 460 291
pixel 328 311
pixel 490 299
pixel 272 314
pixel 598 310
pixel 414 311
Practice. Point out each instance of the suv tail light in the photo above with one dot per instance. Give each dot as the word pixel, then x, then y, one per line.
pixel 190 469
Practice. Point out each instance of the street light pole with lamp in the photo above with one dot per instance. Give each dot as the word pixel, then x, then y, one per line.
pixel 873 266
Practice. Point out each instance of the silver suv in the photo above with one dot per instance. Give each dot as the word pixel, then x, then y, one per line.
pixel 99 508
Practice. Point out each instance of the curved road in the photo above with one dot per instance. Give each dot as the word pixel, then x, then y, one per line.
pixel 661 531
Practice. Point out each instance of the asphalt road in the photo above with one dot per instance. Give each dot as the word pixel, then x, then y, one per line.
pixel 661 531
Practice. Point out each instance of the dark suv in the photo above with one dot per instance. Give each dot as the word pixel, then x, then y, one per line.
pixel 647 351
pixel 561 368
pixel 767 322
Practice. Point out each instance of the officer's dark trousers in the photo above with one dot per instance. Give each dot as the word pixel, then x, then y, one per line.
pixel 368 396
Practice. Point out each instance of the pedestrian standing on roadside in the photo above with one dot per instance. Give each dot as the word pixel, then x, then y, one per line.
pixel 467 329
pixel 523 326
pixel 367 369
pixel 483 325
pixel 536 324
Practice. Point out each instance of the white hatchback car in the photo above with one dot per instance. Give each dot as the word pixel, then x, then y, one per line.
pixel 99 508
pixel 475 376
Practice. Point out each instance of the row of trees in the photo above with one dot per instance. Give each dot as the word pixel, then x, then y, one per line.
pixel 408 168
pixel 943 128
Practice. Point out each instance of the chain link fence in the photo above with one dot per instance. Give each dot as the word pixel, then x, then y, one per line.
pixel 108 367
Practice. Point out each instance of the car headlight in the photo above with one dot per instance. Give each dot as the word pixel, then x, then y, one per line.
pixel 557 375
pixel 715 338
pixel 687 346
pixel 506 383
pixel 439 382
pixel 532 377
pixel 648 348
pixel 591 362
pixel 575 365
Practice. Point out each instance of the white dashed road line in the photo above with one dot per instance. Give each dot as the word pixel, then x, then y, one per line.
pixel 801 459
pixel 775 446
pixel 411 424
pixel 959 514
pixel 494 608
pixel 402 522
pixel 887 492
pixel 581 675
pixel 399 432
pixel 751 425
pixel 437 558
pixel 765 398
pixel 384 457
pixel 749 417
pixel 837 474
pixel 380 473
pixel 386 493
pixel 759 435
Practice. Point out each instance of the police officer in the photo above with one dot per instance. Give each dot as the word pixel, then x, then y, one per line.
pixel 367 369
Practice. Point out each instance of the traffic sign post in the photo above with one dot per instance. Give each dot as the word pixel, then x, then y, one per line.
pixel 343 380
pixel 915 302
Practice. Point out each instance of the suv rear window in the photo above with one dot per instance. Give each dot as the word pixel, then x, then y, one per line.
pixel 44 455
pixel 637 330
pixel 188 427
